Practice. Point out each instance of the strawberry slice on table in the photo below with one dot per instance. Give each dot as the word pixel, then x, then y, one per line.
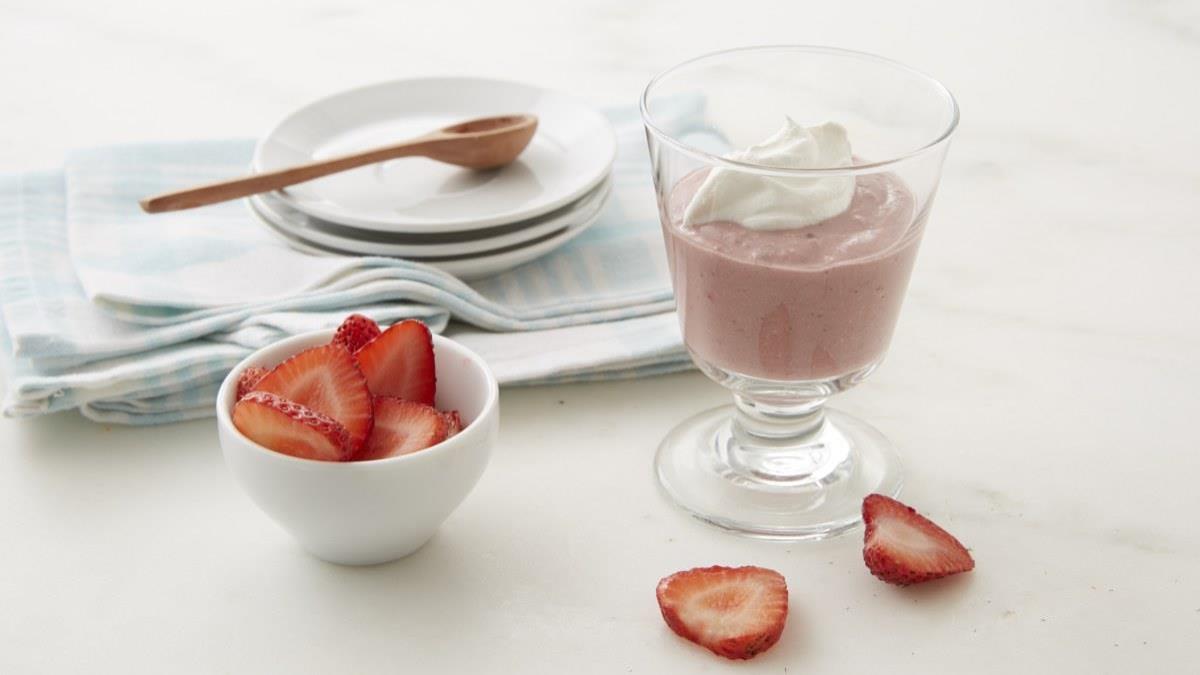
pixel 327 380
pixel 903 547
pixel 355 332
pixel 249 378
pixel 290 428
pixel 403 427
pixel 735 612
pixel 400 363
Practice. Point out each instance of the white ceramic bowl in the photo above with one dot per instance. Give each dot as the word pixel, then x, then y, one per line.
pixel 364 513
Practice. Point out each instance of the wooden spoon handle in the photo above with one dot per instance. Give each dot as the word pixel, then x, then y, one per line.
pixel 273 180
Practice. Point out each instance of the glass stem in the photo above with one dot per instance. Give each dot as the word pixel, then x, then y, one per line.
pixel 784 441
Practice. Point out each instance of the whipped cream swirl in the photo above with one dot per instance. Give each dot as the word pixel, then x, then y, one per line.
pixel 762 202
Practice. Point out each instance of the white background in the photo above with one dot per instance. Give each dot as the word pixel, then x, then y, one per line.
pixel 1042 383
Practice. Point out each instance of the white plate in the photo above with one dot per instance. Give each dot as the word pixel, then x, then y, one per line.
pixel 467 268
pixel 572 151
pixel 372 242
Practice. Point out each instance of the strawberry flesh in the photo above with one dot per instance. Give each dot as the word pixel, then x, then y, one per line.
pixel 735 612
pixel 249 378
pixel 290 428
pixel 400 363
pixel 355 332
pixel 454 423
pixel 903 547
pixel 403 427
pixel 326 380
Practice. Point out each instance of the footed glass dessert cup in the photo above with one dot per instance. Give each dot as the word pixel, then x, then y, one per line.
pixel 793 185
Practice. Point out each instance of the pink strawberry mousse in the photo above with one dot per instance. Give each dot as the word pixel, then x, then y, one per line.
pixel 806 303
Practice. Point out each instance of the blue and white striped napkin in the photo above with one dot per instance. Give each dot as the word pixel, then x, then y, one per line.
pixel 135 319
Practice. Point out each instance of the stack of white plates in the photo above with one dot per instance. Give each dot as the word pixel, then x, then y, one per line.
pixel 468 223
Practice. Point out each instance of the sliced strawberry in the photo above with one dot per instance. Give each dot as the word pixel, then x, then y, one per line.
pixel 735 612
pixel 326 380
pixel 248 379
pixel 290 428
pixel 400 363
pixel 403 427
pixel 454 423
pixel 903 547
pixel 355 332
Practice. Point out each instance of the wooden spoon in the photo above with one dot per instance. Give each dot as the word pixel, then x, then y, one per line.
pixel 484 143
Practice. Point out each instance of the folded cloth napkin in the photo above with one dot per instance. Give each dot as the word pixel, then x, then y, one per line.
pixel 136 319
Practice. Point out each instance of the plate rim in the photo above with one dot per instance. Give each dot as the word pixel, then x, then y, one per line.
pixel 452 267
pixel 602 194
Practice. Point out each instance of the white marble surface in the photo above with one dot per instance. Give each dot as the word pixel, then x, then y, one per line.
pixel 1042 384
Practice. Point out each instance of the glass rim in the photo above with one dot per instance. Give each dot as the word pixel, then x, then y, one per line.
pixel 871 167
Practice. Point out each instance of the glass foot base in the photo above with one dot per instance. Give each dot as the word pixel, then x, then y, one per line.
pixel 770 491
